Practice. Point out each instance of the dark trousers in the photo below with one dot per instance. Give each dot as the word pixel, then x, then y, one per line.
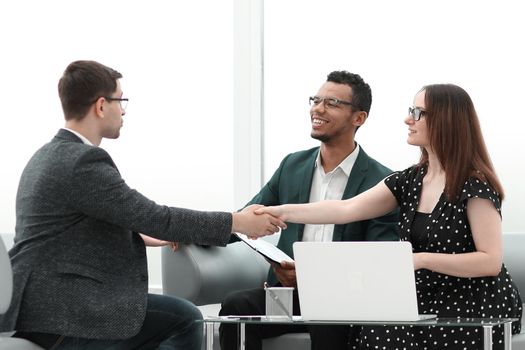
pixel 252 302
pixel 170 323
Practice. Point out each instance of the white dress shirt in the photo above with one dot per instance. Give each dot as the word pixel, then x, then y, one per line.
pixel 328 186
pixel 82 137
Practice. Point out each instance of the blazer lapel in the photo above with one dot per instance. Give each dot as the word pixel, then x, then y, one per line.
pixel 357 175
pixel 306 184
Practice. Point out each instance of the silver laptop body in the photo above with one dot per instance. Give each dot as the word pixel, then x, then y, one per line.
pixel 364 281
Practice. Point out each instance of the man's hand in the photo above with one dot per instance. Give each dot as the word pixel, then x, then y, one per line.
pixel 277 211
pixel 255 225
pixel 285 273
pixel 154 242
pixel 174 246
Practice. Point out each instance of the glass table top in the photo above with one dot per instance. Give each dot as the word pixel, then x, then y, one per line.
pixel 436 321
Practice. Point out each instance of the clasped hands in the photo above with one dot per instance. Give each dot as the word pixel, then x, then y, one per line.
pixel 256 223
pixel 261 223
pixel 253 221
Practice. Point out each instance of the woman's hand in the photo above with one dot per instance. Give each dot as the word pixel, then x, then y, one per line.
pixel 277 211
pixel 418 260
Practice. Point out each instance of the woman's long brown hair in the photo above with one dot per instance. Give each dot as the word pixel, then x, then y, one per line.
pixel 456 139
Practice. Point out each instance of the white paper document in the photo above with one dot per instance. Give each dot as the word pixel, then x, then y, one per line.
pixel 266 249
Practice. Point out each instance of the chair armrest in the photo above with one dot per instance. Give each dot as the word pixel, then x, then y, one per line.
pixel 514 258
pixel 6 276
pixel 205 275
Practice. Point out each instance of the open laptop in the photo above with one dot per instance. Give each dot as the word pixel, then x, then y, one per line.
pixel 360 281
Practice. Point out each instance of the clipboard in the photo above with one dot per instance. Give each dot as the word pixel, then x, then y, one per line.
pixel 266 249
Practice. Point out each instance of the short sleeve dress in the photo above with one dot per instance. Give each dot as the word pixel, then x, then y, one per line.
pixel 445 230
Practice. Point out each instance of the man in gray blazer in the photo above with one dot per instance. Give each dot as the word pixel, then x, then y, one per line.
pixel 79 263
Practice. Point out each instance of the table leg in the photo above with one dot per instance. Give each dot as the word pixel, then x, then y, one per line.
pixel 209 335
pixel 487 337
pixel 242 326
pixel 507 336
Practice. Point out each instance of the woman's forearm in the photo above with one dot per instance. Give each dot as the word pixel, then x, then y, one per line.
pixel 370 204
pixel 475 264
pixel 323 212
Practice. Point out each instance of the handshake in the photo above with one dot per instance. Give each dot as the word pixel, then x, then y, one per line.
pixel 255 222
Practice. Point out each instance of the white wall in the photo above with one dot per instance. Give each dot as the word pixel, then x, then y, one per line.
pixel 176 144
pixel 397 47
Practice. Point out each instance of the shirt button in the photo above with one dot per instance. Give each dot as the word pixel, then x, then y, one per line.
pixel 143 278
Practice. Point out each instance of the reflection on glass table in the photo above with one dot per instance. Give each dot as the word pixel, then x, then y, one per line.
pixel 486 323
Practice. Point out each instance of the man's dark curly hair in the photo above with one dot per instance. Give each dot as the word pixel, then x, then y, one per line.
pixel 362 94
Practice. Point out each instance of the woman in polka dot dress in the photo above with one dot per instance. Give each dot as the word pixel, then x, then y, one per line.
pixel 450 206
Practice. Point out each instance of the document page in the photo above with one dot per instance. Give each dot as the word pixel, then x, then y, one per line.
pixel 266 249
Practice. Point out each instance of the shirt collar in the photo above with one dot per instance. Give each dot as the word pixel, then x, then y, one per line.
pixel 346 165
pixel 80 136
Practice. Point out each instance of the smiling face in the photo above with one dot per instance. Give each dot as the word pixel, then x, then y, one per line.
pixel 332 123
pixel 417 130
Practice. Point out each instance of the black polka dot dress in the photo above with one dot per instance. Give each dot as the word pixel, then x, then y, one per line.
pixel 445 230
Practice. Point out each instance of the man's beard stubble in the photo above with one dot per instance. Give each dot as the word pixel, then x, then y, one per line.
pixel 322 138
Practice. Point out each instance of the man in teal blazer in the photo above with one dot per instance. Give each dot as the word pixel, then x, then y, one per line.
pixel 339 168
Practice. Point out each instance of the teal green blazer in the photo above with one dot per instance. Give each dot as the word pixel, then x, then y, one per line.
pixel 291 184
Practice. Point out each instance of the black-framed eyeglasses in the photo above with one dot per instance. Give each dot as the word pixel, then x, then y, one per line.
pixel 329 101
pixel 123 101
pixel 416 113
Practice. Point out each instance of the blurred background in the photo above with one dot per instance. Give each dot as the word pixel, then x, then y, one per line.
pixel 194 135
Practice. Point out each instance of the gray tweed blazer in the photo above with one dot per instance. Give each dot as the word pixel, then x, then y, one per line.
pixel 79 266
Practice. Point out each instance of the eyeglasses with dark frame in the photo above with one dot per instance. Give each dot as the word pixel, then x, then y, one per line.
pixel 329 101
pixel 416 113
pixel 123 101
